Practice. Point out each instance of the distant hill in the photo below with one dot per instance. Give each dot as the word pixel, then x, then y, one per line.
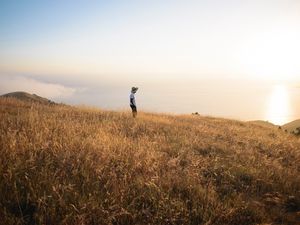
pixel 263 123
pixel 292 127
pixel 24 96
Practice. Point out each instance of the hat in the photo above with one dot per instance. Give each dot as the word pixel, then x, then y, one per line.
pixel 134 89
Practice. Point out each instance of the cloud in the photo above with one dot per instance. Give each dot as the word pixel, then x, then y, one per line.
pixel 30 85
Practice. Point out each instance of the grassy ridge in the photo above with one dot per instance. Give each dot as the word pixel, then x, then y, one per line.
pixel 67 165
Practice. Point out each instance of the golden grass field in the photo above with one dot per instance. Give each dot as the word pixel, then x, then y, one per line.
pixel 71 165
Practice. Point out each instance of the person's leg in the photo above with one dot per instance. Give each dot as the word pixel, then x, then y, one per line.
pixel 135 112
pixel 133 108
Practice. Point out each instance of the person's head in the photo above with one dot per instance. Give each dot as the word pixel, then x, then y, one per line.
pixel 134 89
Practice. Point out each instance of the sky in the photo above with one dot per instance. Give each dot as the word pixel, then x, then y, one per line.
pixel 92 52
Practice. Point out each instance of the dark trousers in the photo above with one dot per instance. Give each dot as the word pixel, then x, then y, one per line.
pixel 134 111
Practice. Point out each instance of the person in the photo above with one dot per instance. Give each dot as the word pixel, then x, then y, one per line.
pixel 132 101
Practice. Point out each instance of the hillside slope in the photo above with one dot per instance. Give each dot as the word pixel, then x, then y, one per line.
pixel 66 165
pixel 292 126
pixel 24 96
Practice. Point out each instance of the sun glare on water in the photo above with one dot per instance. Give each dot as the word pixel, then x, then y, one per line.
pixel 279 107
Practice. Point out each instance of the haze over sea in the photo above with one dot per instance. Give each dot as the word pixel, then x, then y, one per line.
pixel 276 102
pixel 244 100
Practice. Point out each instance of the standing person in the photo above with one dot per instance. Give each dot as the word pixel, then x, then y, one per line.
pixel 132 101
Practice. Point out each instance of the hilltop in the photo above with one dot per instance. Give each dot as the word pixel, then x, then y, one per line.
pixel 24 96
pixel 68 165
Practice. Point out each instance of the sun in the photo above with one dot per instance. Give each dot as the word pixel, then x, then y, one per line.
pixel 279 106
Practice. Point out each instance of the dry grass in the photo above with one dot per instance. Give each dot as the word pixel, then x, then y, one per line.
pixel 66 165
